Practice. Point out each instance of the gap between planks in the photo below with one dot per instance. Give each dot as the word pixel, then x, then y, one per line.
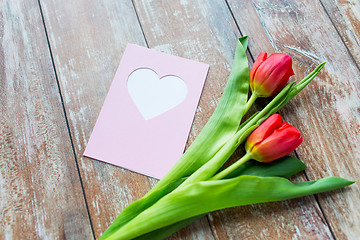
pixel 340 36
pixel 65 116
pixel 253 59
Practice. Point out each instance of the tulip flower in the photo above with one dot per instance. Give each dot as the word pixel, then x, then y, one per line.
pixel 268 76
pixel 272 140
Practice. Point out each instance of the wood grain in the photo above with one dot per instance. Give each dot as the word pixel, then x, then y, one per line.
pixel 40 190
pixel 345 16
pixel 327 111
pixel 41 195
pixel 87 39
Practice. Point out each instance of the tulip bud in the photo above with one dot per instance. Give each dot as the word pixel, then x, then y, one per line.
pixel 268 76
pixel 273 139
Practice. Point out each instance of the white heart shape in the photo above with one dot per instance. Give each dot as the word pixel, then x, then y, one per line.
pixel 153 95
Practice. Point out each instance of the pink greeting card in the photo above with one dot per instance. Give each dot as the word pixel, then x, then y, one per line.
pixel 144 123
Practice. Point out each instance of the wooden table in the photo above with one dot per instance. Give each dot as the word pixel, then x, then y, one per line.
pixel 58 58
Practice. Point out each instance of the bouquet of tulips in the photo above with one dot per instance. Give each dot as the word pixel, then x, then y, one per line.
pixel 199 183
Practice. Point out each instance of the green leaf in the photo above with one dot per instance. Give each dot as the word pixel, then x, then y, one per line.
pixel 302 84
pixel 202 197
pixel 222 125
pixel 136 207
pixel 162 233
pixel 283 167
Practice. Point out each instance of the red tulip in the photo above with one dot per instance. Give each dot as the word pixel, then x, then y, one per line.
pixel 268 76
pixel 273 139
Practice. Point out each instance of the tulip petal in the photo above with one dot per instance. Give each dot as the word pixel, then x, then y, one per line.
pixel 263 131
pixel 281 74
pixel 282 141
pixel 271 75
pixel 259 60
pixel 273 62
pixel 265 70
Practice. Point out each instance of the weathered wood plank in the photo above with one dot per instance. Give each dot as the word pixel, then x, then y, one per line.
pixel 345 16
pixel 327 112
pixel 87 39
pixel 86 66
pixel 40 190
pixel 205 31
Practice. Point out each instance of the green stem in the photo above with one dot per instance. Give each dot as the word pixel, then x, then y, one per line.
pixel 250 102
pixel 211 167
pixel 233 167
pixel 207 170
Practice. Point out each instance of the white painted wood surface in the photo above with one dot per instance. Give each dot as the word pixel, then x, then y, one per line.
pixel 57 60
pixel 40 191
